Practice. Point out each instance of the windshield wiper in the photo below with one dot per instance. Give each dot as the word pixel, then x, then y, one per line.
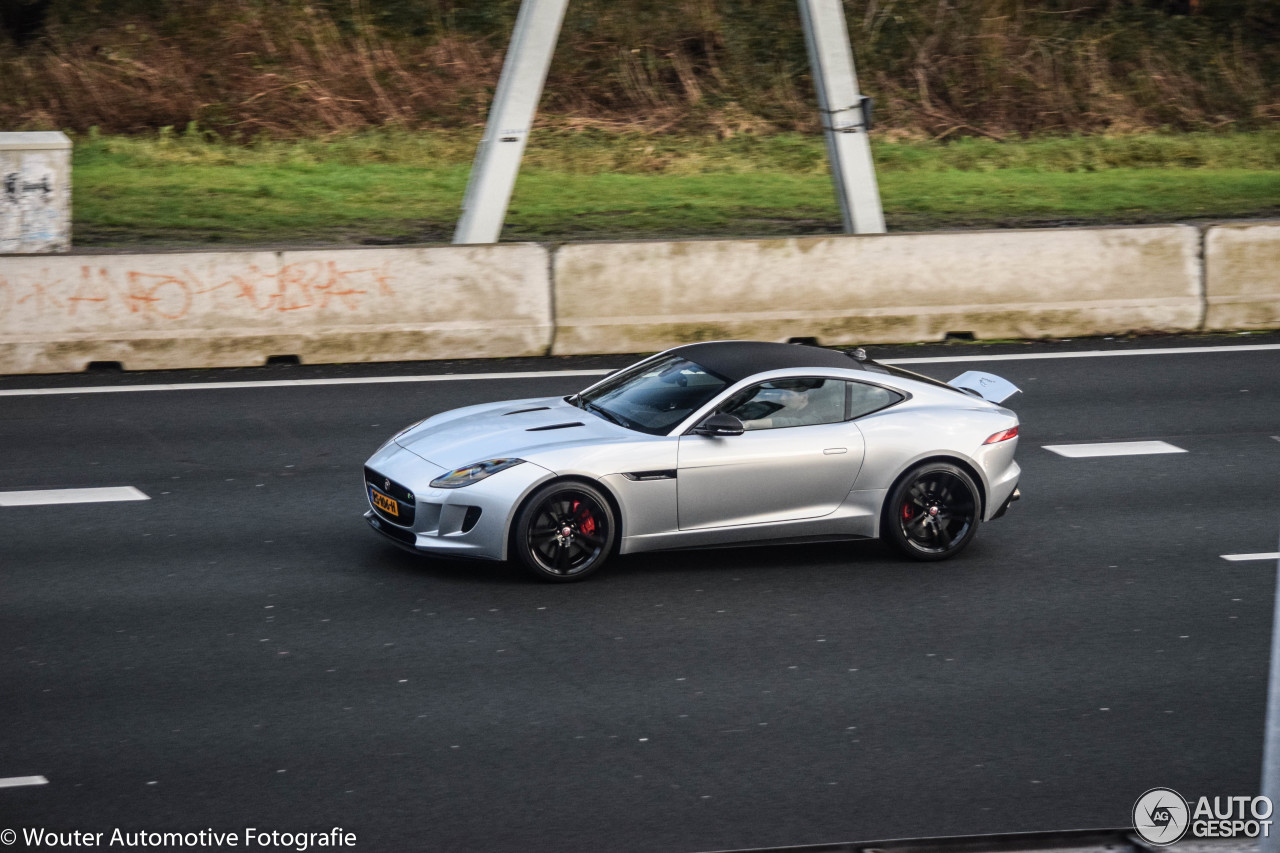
pixel 604 413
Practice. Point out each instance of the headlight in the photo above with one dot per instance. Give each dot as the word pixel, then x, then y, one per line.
pixel 468 474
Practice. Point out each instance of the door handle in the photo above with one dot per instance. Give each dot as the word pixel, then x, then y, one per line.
pixel 831 451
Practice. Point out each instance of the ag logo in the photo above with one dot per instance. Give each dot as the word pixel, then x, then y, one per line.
pixel 1160 816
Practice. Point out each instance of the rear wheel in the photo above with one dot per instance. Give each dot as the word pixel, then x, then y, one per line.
pixel 932 512
pixel 565 532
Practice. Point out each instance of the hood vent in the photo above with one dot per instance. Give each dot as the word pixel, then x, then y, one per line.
pixel 554 426
pixel 523 411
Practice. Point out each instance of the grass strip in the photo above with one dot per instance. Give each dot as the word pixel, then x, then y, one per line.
pixel 396 187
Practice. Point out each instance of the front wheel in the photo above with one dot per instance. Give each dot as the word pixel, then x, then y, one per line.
pixel 565 532
pixel 932 513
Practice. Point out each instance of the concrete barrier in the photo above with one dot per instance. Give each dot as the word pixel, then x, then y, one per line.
pixel 59 313
pixel 1242 276
pixel 636 297
pixel 206 309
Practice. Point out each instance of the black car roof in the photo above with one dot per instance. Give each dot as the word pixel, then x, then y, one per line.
pixel 736 360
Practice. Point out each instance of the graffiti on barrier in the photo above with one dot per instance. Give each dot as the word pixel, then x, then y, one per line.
pixel 92 292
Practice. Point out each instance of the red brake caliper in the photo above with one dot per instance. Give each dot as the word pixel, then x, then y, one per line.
pixel 586 522
pixel 906 512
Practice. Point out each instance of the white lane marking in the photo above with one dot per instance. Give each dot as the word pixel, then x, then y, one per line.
pixel 289 383
pixel 1237 558
pixel 1112 448
pixel 21 781
pixel 1097 353
pixel 550 374
pixel 40 497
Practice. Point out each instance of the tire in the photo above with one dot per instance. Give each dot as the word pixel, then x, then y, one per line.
pixel 932 512
pixel 565 532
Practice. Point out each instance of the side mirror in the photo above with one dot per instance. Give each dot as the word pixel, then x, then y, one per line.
pixel 719 425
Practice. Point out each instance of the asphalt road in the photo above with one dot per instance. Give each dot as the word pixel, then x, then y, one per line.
pixel 240 651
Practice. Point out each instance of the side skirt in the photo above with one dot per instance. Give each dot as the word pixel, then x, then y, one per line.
pixel 756 543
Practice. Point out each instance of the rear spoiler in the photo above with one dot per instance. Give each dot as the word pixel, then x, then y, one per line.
pixel 985 385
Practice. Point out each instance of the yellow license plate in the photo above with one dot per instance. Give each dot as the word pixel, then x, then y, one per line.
pixel 384 503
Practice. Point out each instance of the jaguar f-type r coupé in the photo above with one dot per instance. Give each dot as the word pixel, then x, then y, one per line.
pixel 709 444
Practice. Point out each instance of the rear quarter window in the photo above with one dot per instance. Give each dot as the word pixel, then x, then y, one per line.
pixel 863 399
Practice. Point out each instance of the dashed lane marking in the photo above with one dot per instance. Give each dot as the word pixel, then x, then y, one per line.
pixel 22 781
pixel 1239 558
pixel 549 374
pixel 1113 448
pixel 41 497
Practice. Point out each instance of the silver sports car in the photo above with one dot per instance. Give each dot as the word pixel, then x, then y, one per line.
pixel 708 444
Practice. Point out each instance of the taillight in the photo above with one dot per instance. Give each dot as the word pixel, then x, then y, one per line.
pixel 1003 435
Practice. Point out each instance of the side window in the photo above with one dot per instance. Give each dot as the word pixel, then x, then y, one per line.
pixel 788 403
pixel 865 399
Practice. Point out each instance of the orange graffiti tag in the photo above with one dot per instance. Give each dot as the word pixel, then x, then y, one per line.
pixel 173 295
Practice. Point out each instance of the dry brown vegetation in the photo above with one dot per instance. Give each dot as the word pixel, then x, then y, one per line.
pixel 938 68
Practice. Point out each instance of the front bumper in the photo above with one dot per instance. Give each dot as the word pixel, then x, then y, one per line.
pixel 468 522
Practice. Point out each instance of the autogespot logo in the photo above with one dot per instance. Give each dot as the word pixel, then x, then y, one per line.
pixel 1160 816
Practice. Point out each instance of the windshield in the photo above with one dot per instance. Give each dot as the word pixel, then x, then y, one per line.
pixel 652 396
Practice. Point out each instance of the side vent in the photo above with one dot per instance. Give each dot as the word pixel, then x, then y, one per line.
pixel 554 426
pixel 651 475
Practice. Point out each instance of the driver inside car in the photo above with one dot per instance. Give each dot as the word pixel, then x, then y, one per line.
pixel 787 403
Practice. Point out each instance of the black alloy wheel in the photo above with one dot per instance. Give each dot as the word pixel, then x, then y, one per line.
pixel 933 512
pixel 565 532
